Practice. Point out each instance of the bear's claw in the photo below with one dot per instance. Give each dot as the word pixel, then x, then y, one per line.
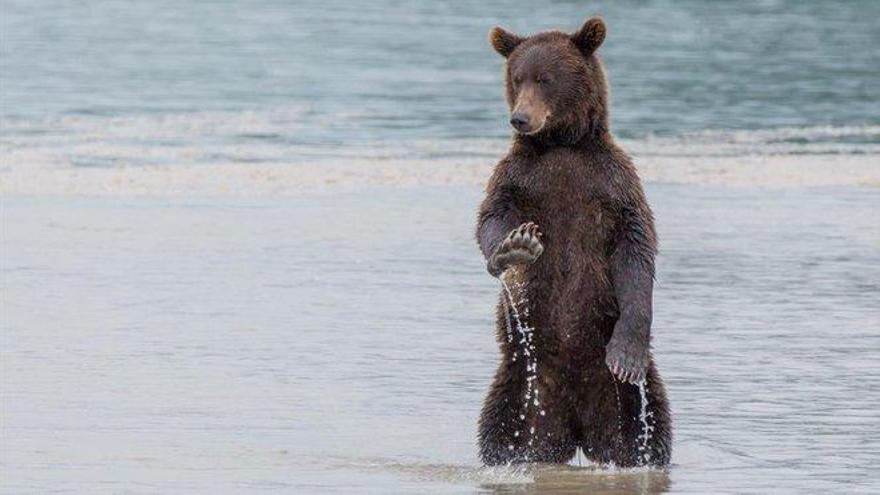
pixel 521 246
pixel 629 363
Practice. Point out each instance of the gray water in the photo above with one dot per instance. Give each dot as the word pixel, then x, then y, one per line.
pixel 287 81
pixel 344 344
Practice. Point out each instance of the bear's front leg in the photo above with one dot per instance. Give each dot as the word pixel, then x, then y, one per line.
pixel 521 246
pixel 627 353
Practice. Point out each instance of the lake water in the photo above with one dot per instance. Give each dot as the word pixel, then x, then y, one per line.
pixel 237 243
pixel 168 82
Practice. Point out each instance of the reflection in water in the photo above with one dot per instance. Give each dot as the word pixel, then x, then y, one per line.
pixel 534 478
pixel 563 480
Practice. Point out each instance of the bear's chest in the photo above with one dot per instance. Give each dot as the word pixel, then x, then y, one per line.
pixel 568 199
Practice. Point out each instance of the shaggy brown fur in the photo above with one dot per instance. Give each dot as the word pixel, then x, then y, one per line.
pixel 585 272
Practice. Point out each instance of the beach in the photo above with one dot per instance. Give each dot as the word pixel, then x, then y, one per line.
pixel 55 164
pixel 238 244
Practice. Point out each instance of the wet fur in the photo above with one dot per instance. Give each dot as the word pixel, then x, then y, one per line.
pixel 590 291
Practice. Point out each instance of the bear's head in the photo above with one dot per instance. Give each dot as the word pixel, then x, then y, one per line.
pixel 556 87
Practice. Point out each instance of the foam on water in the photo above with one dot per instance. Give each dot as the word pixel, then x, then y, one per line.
pixel 259 152
pixel 273 136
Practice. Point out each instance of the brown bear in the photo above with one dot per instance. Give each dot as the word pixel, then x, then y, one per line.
pixel 566 225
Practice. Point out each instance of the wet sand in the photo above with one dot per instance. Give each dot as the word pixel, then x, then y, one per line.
pixel 280 180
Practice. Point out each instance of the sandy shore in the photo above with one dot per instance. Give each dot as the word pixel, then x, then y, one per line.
pixel 249 179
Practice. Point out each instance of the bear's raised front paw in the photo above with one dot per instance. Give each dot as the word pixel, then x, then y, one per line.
pixel 521 246
pixel 627 360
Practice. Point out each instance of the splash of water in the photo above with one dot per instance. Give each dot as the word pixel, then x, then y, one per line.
pixel 645 436
pixel 527 349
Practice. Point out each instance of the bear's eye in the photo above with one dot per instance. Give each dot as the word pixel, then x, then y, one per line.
pixel 517 80
pixel 543 80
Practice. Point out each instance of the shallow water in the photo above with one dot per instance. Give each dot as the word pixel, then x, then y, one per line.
pixel 344 344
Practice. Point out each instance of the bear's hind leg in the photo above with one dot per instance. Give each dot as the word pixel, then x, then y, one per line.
pixel 511 431
pixel 659 443
pixel 618 431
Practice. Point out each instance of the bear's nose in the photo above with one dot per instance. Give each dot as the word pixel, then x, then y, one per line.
pixel 520 121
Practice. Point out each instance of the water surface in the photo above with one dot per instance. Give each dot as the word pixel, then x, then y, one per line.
pixel 344 344
pixel 109 83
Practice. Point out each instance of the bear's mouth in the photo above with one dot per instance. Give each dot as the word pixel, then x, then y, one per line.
pixel 536 131
pixel 528 129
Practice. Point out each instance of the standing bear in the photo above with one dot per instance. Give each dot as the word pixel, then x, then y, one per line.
pixel 566 226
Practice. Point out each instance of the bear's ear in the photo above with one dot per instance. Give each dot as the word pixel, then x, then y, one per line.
pixel 503 42
pixel 590 35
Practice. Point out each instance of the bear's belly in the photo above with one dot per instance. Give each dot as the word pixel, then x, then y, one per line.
pixel 572 314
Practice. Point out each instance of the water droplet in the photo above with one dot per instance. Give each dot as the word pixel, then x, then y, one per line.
pixel 645 436
pixel 526 343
